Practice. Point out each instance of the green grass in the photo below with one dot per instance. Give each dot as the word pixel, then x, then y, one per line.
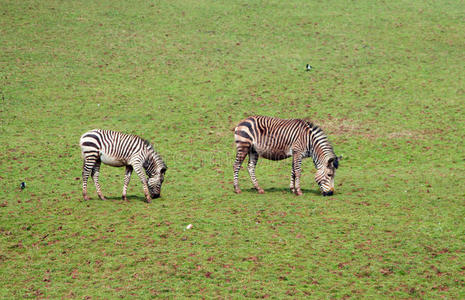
pixel 387 86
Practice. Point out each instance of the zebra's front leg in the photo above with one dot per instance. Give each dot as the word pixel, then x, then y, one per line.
pixel 296 171
pixel 127 178
pixel 240 156
pixel 95 174
pixel 140 173
pixel 292 185
pixel 253 159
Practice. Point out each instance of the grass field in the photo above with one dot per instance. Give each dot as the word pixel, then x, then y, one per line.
pixel 387 86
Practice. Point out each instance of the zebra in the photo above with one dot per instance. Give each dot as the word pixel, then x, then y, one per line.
pixel 118 149
pixel 277 139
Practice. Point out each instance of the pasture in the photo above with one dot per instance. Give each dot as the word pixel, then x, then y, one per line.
pixel 387 86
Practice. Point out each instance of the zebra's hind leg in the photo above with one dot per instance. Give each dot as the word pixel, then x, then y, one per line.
pixel 89 162
pixel 95 174
pixel 242 151
pixel 127 177
pixel 253 159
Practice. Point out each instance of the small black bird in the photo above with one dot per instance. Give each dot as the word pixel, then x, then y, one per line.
pixel 23 185
pixel 308 67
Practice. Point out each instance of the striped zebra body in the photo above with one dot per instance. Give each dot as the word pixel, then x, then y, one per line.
pixel 277 139
pixel 119 149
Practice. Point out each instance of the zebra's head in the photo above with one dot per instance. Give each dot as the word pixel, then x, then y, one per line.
pixel 155 169
pixel 155 181
pixel 325 175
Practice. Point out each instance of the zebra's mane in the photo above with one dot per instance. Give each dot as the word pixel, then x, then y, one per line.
pixel 146 143
pixel 311 125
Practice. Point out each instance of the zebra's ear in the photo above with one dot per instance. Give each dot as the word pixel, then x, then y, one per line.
pixel 336 161
pixel 333 162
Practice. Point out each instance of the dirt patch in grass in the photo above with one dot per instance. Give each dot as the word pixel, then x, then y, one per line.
pixel 348 127
pixel 370 130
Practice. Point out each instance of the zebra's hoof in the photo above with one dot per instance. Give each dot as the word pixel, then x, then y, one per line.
pixel 102 198
pixel 260 191
pixel 148 200
pixel 237 191
pixel 124 198
pixel 86 198
pixel 298 193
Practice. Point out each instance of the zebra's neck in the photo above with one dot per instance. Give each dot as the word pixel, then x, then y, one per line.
pixel 159 161
pixel 319 147
pixel 154 160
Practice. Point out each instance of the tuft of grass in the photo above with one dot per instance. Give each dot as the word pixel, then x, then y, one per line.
pixel 387 86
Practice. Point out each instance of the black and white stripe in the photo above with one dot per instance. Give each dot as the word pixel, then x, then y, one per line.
pixel 119 149
pixel 276 139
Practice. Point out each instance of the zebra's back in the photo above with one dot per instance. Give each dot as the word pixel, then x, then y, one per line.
pixel 271 138
pixel 114 148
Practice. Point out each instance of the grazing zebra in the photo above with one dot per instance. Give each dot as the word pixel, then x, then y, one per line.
pixel 277 139
pixel 119 149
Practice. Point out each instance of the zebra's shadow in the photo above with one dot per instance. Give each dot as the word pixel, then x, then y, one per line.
pixel 284 191
pixel 129 197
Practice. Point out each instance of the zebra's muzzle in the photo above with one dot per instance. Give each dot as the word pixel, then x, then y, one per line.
pixel 330 193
